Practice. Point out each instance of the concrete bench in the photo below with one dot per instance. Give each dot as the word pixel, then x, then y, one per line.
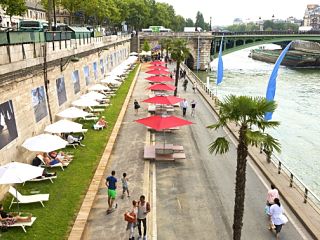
pixel 149 152
pixel 180 155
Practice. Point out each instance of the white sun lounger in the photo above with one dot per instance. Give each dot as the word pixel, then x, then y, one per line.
pixel 43 178
pixel 27 198
pixel 23 224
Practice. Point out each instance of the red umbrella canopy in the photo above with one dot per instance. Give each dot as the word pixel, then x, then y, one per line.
pixel 157 63
pixel 162 87
pixel 169 100
pixel 158 72
pixel 158 67
pixel 159 79
pixel 163 122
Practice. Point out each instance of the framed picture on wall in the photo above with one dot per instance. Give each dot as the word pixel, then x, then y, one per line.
pixel 39 103
pixel 102 67
pixel 86 74
pixel 76 81
pixel 8 128
pixel 95 70
pixel 61 90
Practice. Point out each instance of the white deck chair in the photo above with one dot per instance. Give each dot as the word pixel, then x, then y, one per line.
pixel 27 198
pixel 23 224
pixel 55 165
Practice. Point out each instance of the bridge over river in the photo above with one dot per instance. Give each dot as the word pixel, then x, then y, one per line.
pixel 205 45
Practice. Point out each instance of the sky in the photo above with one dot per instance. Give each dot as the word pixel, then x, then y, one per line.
pixel 224 12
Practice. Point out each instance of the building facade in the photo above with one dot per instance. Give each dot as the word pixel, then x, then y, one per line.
pixel 312 16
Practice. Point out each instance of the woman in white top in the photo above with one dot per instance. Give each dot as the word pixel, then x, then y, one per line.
pixel 276 213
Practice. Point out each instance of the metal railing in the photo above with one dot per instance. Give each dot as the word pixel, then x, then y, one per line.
pixel 293 181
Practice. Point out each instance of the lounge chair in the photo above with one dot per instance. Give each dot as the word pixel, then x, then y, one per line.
pixel 23 224
pixel 55 165
pixel 42 178
pixel 27 198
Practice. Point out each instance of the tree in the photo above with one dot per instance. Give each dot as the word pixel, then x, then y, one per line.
pixel 248 112
pixel 16 7
pixel 179 24
pixel 189 22
pixel 200 20
pixel 146 47
pixel 165 44
pixel 179 52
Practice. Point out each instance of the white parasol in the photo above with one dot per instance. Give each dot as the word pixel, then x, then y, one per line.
pixel 73 112
pixel 94 95
pixel 99 87
pixel 44 143
pixel 64 126
pixel 85 102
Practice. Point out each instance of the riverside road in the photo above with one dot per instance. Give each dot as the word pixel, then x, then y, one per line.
pixel 195 196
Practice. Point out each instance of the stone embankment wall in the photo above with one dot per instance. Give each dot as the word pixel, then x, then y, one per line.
pixel 70 71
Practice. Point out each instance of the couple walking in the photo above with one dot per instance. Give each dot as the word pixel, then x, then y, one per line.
pixel 184 105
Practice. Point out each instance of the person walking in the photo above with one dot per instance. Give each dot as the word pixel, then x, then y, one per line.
pixel 185 84
pixel 271 195
pixel 194 87
pixel 111 183
pixel 132 219
pixel 184 106
pixel 125 188
pixel 277 216
pixel 136 106
pixel 143 210
pixel 193 107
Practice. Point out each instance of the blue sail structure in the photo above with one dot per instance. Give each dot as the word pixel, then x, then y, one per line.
pixel 220 65
pixel 271 89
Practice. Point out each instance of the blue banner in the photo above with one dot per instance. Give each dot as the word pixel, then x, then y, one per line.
pixel 220 65
pixel 271 89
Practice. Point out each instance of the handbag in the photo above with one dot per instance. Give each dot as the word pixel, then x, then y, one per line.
pixel 284 219
pixel 130 217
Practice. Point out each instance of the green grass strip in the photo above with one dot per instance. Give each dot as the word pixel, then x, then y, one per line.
pixel 68 190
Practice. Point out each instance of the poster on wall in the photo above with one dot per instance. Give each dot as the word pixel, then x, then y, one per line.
pixel 61 90
pixel 8 128
pixel 39 103
pixel 76 81
pixel 111 60
pixel 102 67
pixel 95 70
pixel 115 58
pixel 86 74
pixel 107 62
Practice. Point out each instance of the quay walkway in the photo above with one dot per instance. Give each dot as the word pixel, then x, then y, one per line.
pixel 191 198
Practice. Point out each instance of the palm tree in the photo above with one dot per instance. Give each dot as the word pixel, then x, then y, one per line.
pixel 179 52
pixel 165 45
pixel 248 113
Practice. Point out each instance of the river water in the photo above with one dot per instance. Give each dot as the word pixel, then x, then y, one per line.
pixel 298 99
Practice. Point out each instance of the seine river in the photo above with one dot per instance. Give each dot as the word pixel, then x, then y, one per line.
pixel 298 99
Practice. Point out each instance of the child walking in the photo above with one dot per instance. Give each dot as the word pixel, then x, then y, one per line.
pixel 125 188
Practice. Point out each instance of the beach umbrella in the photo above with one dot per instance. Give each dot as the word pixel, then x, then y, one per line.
pixel 85 102
pixel 159 79
pixel 158 72
pixel 133 54
pixel 160 67
pixel 163 122
pixel 168 100
pixel 16 172
pixel 157 63
pixel 99 87
pixel 93 95
pixel 111 81
pixel 162 87
pixel 64 126
pixel 44 143
pixel 73 112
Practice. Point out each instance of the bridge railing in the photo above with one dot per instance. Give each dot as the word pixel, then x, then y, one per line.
pixel 307 196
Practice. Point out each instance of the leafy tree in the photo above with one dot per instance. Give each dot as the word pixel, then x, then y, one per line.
pixel 146 46
pixel 16 7
pixel 165 44
pixel 189 22
pixel 200 20
pixel 138 14
pixel 248 113
pixel 179 24
pixel 179 52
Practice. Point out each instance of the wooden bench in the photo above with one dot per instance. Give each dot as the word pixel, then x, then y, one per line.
pixel 164 157
pixel 180 155
pixel 177 148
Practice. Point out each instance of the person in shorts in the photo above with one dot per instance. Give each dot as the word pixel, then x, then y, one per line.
pixel 125 188
pixel 111 183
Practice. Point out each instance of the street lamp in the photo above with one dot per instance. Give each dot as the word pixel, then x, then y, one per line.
pixel 210 24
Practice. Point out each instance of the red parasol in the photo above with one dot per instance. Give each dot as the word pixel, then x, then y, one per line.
pixel 157 63
pixel 163 122
pixel 158 67
pixel 169 100
pixel 158 72
pixel 159 79
pixel 162 87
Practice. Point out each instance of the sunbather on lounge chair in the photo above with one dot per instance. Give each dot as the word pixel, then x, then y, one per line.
pixel 101 124
pixel 52 159
pixel 74 140
pixel 6 218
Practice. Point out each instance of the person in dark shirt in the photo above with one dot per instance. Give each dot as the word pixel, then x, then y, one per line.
pixel 111 183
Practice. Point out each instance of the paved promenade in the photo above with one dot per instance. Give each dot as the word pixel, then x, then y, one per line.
pixel 191 198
